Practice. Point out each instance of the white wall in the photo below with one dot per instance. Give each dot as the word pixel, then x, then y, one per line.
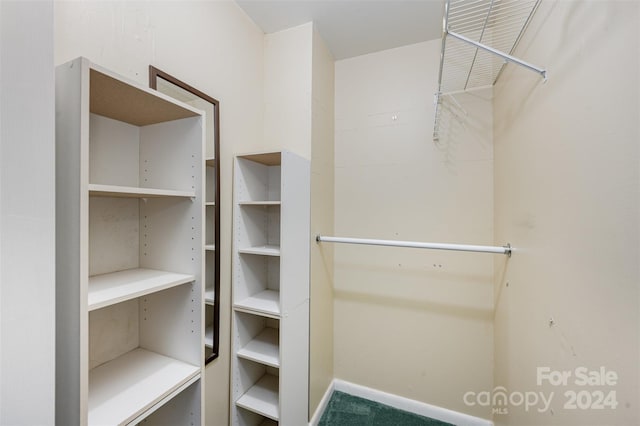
pixel 214 47
pixel 322 222
pixel 411 322
pixel 287 90
pixel 27 214
pixel 567 196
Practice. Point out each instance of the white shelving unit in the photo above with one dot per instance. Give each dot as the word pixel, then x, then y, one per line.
pixel 129 222
pixel 270 289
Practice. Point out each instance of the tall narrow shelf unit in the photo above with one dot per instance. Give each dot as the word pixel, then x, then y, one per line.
pixel 270 362
pixel 129 223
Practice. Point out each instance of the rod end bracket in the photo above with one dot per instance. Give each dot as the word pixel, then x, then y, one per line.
pixel 507 250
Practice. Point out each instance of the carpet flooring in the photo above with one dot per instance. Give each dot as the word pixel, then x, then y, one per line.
pixel 348 410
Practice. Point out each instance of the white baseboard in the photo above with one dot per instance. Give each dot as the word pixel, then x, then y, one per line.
pixel 315 419
pixel 399 402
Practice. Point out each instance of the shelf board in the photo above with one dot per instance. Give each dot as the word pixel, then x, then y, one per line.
pixel 98 190
pixel 266 250
pixel 259 203
pixel 116 287
pixel 210 161
pixel 210 296
pixel 266 158
pixel 123 389
pixel 266 303
pixel 208 336
pixel 210 203
pixel 268 422
pixel 262 398
pixel 263 348
pixel 129 102
pixel 210 247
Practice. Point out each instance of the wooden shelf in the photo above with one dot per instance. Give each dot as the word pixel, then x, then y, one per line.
pixel 98 190
pixel 123 389
pixel 266 250
pixel 210 161
pixel 266 303
pixel 114 98
pixel 259 203
pixel 268 159
pixel 262 398
pixel 116 287
pixel 210 203
pixel 208 336
pixel 263 348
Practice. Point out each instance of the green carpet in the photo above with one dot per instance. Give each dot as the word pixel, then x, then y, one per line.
pixel 348 410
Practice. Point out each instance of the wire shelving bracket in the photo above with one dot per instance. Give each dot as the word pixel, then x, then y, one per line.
pixel 478 40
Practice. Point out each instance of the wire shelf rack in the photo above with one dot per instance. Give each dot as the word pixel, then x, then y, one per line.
pixel 478 40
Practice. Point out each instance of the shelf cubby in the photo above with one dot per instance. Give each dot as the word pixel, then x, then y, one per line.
pixel 262 397
pixel 135 362
pixel 257 390
pixel 260 226
pixel 160 322
pixel 121 390
pixel 258 178
pixel 260 291
pixel 142 161
pixel 257 339
pixel 170 412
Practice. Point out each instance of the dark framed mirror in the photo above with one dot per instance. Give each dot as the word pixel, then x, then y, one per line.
pixel 177 89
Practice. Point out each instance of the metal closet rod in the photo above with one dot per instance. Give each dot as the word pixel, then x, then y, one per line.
pixel 506 250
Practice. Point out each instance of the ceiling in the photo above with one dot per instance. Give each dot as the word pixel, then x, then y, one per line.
pixel 353 27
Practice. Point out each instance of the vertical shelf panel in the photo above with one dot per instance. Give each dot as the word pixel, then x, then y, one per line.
pixel 295 236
